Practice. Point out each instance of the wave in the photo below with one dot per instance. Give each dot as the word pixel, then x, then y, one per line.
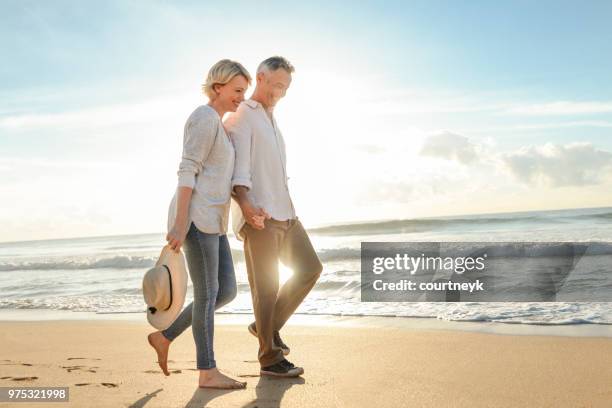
pixel 131 247
pixel 603 216
pixel 493 249
pixel 339 254
pixel 508 249
pixel 431 224
pixel 410 225
pixel 116 262
pixel 139 262
pixel 549 314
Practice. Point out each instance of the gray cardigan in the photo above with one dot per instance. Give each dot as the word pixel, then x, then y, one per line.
pixel 206 166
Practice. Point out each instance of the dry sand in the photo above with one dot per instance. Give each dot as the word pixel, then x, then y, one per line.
pixel 110 364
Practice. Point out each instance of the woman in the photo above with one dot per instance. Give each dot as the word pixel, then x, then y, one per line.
pixel 198 218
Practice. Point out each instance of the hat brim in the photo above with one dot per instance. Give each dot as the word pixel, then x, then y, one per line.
pixel 162 319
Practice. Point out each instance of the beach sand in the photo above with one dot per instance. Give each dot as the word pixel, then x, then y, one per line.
pixel 110 364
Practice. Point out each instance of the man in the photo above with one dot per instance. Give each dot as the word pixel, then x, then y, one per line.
pixel 264 218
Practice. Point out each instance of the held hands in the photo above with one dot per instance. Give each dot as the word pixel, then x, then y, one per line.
pixel 176 236
pixel 255 217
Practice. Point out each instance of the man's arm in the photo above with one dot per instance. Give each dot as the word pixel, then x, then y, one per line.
pixel 254 216
pixel 240 134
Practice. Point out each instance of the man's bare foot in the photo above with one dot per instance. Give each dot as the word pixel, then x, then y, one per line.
pixel 161 344
pixel 213 378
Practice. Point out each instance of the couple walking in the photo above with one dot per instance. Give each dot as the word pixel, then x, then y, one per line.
pixel 242 158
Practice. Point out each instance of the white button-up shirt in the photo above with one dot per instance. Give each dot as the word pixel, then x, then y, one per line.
pixel 261 163
pixel 206 166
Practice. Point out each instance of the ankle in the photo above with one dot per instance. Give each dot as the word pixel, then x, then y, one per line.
pixel 164 338
pixel 208 372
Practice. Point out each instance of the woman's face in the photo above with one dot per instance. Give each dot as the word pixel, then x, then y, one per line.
pixel 231 94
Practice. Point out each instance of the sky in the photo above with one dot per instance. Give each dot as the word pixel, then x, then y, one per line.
pixel 411 109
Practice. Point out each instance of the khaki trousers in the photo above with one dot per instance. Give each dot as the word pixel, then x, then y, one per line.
pixel 288 242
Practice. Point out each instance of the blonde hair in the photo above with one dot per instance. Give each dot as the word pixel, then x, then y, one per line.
pixel 221 73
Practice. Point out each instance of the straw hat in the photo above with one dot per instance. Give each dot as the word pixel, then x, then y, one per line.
pixel 164 287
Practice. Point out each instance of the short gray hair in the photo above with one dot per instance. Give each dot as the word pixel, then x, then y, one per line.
pixel 274 63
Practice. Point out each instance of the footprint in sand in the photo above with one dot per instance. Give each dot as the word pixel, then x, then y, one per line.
pixel 109 385
pixel 10 362
pixel 178 371
pixel 106 384
pixel 20 378
pixel 80 368
pixel 83 358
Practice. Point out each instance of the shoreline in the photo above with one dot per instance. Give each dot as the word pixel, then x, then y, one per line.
pixel 328 320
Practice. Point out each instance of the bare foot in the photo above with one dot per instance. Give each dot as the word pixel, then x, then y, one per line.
pixel 213 378
pixel 161 344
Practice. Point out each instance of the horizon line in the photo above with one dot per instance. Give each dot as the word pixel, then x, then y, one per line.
pixel 230 233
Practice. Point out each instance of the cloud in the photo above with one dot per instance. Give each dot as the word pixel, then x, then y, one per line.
pixel 451 146
pixel 171 106
pixel 562 108
pixel 369 148
pixel 574 164
pixel 413 101
pixel 19 164
pixel 416 101
pixel 550 165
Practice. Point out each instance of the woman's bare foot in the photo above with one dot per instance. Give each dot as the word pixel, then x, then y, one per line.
pixel 213 378
pixel 161 344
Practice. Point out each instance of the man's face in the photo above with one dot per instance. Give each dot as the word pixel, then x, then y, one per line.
pixel 274 84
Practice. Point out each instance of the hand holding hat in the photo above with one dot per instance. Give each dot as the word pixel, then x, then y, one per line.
pixel 176 236
pixel 164 287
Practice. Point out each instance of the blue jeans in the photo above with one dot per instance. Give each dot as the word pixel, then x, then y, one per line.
pixel 209 260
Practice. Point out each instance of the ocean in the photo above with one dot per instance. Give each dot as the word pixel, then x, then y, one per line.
pixel 104 274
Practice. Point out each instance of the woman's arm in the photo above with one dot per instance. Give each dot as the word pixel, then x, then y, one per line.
pixel 177 234
pixel 198 140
